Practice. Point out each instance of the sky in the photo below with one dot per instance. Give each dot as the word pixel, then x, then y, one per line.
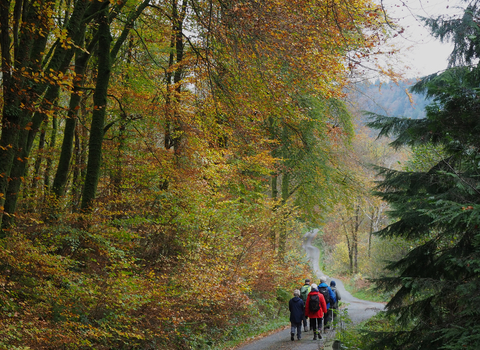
pixel 424 54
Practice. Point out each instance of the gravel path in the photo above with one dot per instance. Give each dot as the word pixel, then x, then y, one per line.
pixel 358 310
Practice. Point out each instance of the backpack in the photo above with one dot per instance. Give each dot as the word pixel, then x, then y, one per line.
pixel 304 292
pixel 314 304
pixel 324 292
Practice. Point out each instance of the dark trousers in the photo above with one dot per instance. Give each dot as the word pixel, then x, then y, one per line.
pixel 316 324
pixel 296 327
pixel 327 317
pixel 304 321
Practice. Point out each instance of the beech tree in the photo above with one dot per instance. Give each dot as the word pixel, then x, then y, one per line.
pixel 33 72
pixel 170 105
pixel 105 57
pixel 36 69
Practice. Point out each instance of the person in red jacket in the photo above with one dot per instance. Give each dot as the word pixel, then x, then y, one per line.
pixel 314 309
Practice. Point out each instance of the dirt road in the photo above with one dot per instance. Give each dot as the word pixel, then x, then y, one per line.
pixel 358 310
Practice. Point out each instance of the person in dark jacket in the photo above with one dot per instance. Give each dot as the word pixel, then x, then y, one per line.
pixel 332 300
pixel 315 316
pixel 296 306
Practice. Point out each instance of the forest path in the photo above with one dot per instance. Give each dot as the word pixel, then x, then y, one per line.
pixel 358 310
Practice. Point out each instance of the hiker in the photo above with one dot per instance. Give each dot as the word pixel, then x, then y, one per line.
pixel 329 296
pixel 303 294
pixel 315 309
pixel 296 307
pixel 338 297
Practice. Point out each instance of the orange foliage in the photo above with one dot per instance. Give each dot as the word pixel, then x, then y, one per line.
pixel 181 241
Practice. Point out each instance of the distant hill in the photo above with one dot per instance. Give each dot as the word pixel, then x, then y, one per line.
pixel 388 99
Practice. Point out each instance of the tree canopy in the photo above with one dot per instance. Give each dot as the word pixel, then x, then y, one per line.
pixel 142 150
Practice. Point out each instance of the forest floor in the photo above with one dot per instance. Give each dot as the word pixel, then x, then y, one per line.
pixel 358 311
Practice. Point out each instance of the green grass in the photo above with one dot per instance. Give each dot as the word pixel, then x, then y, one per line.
pixel 366 293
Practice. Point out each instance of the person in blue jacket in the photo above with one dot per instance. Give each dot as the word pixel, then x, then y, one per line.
pixel 330 302
pixel 296 307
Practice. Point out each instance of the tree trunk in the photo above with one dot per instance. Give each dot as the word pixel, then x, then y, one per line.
pixel 117 172
pixel 29 48
pixel 282 239
pixel 99 111
pixel 30 192
pixel 370 233
pixel 350 253
pixel 285 188
pixel 29 51
pixel 7 153
pixel 61 176
pixel 173 128
pixel 38 159
pixel 48 168
pixel 20 163
pixel 355 237
pixel 349 244
pixel 11 114
pixel 274 186
pixel 105 58
pixel 79 165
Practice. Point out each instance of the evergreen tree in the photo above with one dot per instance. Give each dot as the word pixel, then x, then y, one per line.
pixel 436 284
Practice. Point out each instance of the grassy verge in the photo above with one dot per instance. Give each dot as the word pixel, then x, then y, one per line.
pixel 364 291
pixel 246 333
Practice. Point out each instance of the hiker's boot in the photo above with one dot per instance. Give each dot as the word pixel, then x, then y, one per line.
pixel 292 336
pixel 314 335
